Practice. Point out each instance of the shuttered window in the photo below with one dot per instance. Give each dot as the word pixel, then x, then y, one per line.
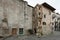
pixel 20 30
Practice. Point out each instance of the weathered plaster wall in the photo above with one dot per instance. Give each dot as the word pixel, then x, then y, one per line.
pixel 15 11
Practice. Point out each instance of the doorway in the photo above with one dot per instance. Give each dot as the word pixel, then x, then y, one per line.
pixel 14 31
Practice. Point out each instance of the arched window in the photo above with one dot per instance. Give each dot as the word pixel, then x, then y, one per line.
pixel 44 23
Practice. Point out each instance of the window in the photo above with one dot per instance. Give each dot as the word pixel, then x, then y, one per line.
pixel 20 30
pixel 49 12
pixel 52 23
pixel 44 16
pixel 39 13
pixel 44 23
pixel 53 17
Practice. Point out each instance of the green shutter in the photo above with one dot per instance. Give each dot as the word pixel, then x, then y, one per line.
pixel 20 30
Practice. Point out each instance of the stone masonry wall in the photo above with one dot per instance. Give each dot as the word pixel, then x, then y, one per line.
pixel 15 10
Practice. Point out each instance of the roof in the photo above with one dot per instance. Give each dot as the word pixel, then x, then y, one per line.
pixel 30 6
pixel 48 6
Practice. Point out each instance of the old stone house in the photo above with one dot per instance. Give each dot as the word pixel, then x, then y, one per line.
pixel 42 19
pixel 15 17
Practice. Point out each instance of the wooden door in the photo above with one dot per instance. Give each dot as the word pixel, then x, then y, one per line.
pixel 14 31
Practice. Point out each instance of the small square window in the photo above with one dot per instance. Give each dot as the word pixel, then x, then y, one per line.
pixel 44 16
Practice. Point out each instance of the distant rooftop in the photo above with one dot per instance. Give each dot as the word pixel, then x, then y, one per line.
pixel 48 6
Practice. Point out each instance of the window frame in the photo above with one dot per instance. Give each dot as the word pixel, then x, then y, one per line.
pixel 20 30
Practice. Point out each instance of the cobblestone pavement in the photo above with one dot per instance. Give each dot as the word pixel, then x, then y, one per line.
pixel 54 36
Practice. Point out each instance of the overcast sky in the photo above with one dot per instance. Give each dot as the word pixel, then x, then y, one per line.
pixel 53 3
